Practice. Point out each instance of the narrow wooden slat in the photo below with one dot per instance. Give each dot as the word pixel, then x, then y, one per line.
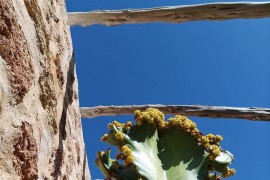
pixel 251 113
pixel 173 14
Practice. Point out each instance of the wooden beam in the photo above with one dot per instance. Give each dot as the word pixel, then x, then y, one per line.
pixel 251 113
pixel 173 14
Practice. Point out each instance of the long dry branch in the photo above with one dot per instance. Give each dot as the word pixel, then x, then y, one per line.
pixel 257 114
pixel 173 14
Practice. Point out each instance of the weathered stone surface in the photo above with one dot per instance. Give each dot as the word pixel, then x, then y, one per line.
pixel 40 127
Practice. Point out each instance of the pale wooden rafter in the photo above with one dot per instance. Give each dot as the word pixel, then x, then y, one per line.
pixel 173 14
pixel 251 113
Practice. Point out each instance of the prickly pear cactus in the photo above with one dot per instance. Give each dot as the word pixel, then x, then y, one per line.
pixel 155 149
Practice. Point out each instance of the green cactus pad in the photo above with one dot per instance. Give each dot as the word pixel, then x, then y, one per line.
pixel 154 149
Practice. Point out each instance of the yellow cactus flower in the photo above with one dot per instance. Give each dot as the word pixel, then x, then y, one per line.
pixel 129 123
pixel 205 139
pixel 206 145
pixel 104 137
pixel 129 159
pixel 119 135
pixel 126 150
pixel 210 136
pixel 228 172
pixel 216 152
pixel 219 138
pixel 117 124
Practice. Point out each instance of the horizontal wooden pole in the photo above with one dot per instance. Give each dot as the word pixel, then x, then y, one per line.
pixel 251 113
pixel 173 14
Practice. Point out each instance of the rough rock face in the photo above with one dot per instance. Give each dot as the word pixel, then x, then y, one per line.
pixel 40 126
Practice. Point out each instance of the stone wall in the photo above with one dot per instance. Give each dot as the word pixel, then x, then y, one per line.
pixel 40 126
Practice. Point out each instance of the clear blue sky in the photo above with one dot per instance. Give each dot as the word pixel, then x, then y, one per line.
pixel 208 63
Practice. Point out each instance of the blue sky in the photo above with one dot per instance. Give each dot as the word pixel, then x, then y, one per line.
pixel 208 63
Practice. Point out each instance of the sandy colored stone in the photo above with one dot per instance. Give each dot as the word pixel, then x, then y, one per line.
pixel 40 126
